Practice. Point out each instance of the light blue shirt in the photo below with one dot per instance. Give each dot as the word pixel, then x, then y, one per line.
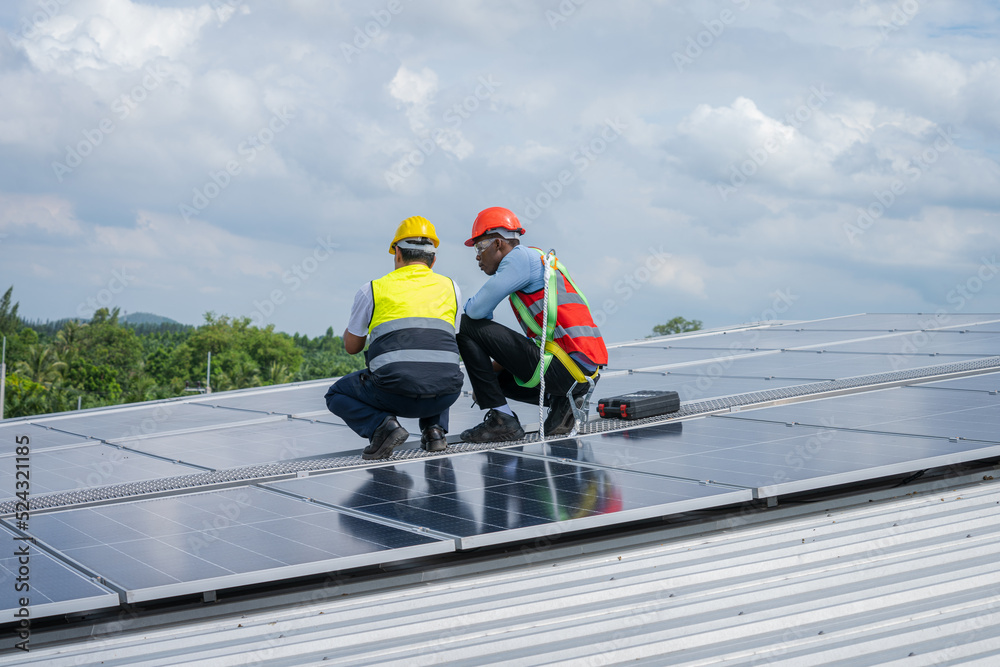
pixel 520 270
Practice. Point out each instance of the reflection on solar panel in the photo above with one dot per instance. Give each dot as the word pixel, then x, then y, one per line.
pixel 252 517
pixel 497 496
pixel 51 587
pixel 196 543
pixel 770 458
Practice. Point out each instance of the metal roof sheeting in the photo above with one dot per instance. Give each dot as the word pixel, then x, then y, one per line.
pixel 913 580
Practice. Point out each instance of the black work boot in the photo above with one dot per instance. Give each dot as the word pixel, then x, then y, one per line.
pixel 432 439
pixel 561 418
pixel 496 427
pixel 385 438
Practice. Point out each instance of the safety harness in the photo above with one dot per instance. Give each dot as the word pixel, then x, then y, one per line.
pixel 548 347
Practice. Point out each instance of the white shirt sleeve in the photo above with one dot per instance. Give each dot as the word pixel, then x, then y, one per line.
pixel 362 311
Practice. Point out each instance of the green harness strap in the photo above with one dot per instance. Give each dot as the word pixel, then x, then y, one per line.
pixel 550 320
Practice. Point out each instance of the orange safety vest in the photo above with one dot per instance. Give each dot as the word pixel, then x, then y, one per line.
pixel 574 329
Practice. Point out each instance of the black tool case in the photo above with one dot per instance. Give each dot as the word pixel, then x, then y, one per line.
pixel 639 404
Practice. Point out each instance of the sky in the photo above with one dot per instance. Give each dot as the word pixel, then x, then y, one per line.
pixel 723 160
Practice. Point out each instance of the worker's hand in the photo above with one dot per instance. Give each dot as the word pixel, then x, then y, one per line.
pixel 497 368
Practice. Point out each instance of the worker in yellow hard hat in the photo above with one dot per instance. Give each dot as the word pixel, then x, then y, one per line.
pixel 408 317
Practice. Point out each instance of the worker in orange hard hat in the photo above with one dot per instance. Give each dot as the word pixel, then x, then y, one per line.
pixel 408 318
pixel 502 363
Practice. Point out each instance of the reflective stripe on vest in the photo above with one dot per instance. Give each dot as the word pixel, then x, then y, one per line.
pixel 412 349
pixel 574 330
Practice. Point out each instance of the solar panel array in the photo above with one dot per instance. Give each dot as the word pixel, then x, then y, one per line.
pixel 296 510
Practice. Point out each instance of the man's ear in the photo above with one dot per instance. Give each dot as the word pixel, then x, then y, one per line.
pixel 433 259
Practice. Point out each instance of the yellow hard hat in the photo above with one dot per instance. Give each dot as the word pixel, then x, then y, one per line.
pixel 412 228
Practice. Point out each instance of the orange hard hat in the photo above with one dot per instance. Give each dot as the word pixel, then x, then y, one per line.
pixel 494 218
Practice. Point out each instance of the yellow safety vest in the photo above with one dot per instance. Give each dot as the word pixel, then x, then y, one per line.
pixel 412 349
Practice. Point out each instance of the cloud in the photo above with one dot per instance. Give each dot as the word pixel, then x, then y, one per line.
pixel 102 34
pixel 26 214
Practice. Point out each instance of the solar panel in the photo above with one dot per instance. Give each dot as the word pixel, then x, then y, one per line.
pixel 85 467
pixel 498 497
pixel 690 387
pixel 815 365
pixel 189 544
pixel 147 420
pixel 252 444
pixel 928 342
pixel 771 458
pixel 988 382
pixel 295 400
pixel 194 542
pixel 906 410
pixel 39 438
pixel 765 338
pixel 52 586
pixel 892 322
pixel 641 356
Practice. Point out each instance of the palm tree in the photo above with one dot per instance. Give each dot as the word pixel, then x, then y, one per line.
pixel 68 340
pixel 278 373
pixel 41 366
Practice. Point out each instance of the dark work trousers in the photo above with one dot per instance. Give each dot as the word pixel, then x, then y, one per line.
pixel 481 341
pixel 357 400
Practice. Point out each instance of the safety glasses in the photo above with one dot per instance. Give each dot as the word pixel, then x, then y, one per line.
pixel 483 245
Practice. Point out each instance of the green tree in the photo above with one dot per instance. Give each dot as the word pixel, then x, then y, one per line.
pixel 41 365
pixel 68 340
pixel 24 397
pixel 10 323
pixel 676 325
pixel 105 343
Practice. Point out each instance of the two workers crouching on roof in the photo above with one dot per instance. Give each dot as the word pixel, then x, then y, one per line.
pixel 409 317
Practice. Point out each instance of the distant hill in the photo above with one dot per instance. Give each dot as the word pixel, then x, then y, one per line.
pixel 147 318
